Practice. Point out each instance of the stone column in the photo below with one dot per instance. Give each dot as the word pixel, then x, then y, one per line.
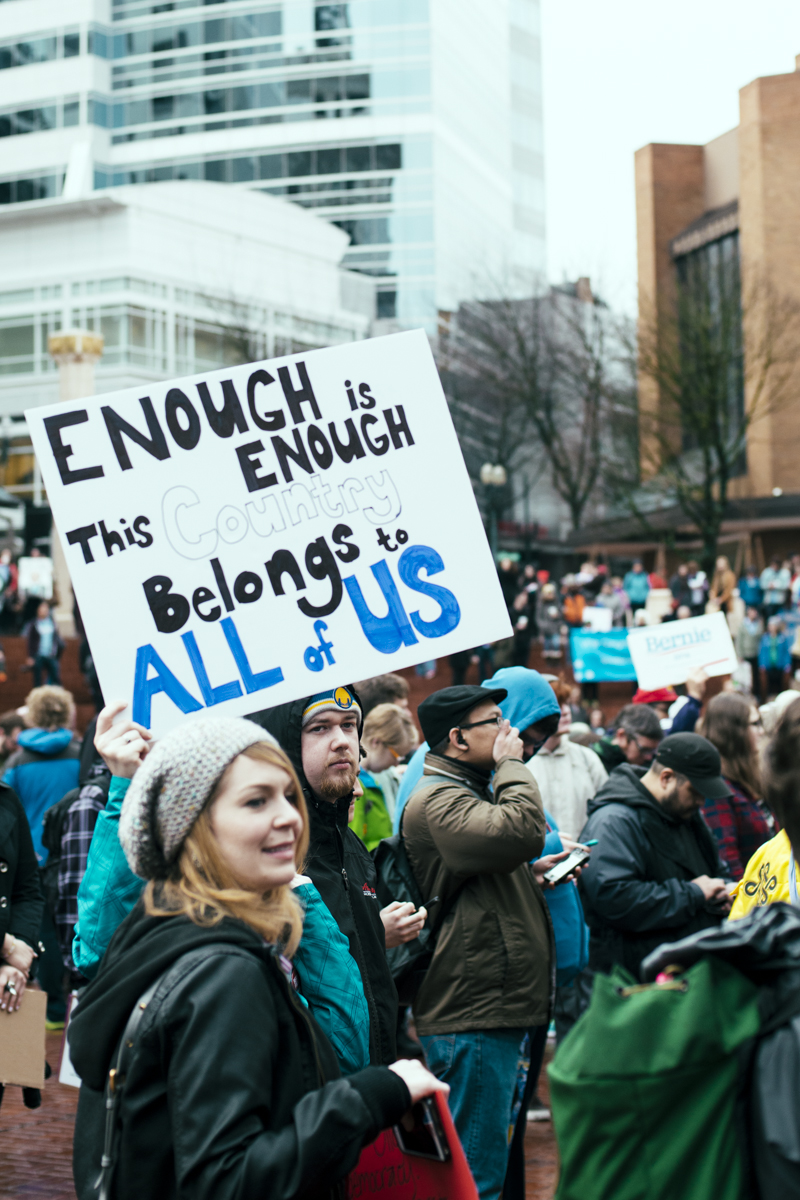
pixel 76 351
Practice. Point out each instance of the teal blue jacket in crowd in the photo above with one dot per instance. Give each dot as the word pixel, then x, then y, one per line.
pixel 637 585
pixel 329 978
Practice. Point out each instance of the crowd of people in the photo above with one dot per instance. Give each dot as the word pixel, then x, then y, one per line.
pixel 762 610
pixel 219 905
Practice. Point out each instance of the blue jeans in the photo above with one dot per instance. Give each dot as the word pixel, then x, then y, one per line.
pixel 481 1068
pixel 49 665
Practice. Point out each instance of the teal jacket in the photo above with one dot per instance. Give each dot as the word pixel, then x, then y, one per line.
pixel 328 975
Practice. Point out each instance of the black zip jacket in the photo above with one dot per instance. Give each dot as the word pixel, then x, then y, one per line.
pixel 21 899
pixel 344 875
pixel 637 890
pixel 233 1091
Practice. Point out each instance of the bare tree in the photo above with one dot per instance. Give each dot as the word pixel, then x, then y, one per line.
pixel 538 377
pixel 704 384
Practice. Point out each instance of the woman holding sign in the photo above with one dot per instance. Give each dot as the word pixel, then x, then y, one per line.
pixel 220 1082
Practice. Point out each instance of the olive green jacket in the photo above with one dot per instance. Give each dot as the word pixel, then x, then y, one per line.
pixel 493 962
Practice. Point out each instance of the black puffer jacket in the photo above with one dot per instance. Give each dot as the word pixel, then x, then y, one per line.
pixel 637 890
pixel 344 874
pixel 21 899
pixel 233 1090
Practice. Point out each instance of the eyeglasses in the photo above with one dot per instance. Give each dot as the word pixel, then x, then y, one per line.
pixel 497 721
pixel 647 752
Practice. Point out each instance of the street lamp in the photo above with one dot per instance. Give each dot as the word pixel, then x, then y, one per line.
pixel 493 475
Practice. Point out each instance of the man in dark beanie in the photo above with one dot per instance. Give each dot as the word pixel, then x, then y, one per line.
pixel 321 736
pixel 655 875
pixel 470 846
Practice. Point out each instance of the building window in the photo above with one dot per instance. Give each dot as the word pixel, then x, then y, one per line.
pixel 710 323
pixel 35 120
pixel 43 187
pixel 41 49
pixel 293 164
pixel 386 305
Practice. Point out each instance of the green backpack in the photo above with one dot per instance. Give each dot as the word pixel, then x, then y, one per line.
pixel 644 1090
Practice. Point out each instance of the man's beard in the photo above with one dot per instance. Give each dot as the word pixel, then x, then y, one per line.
pixel 334 785
pixel 672 805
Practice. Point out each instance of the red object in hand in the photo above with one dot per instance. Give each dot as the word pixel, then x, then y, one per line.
pixel 384 1167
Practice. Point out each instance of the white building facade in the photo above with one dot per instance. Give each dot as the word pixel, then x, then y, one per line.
pixel 177 277
pixel 413 125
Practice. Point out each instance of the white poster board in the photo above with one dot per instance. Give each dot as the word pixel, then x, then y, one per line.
pixel 597 618
pixel 665 654
pixel 36 577
pixel 252 535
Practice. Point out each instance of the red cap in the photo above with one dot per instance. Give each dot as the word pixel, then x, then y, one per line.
pixel 659 696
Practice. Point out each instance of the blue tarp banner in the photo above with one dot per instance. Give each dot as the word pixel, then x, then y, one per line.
pixel 601 657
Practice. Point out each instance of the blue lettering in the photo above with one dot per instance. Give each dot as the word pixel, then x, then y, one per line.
pixel 387 633
pixel 418 558
pixel 253 681
pixel 163 681
pixel 211 695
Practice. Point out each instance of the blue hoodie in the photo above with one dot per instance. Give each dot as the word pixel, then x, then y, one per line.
pixel 530 698
pixel 42 770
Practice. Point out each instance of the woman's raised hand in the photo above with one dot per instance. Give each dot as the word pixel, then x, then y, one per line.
pixel 123 747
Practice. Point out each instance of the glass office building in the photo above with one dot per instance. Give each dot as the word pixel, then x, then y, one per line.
pixel 413 125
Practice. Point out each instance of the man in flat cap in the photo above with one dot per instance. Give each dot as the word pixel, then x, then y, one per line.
pixel 490 977
pixel 655 875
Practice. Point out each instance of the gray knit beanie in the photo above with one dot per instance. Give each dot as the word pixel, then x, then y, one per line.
pixel 170 789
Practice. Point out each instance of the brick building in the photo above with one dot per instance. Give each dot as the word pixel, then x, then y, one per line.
pixel 736 198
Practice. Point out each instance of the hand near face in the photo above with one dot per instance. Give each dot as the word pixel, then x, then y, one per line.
pixel 508 743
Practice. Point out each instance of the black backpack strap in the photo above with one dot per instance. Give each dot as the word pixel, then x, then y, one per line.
pixel 118 1073
pixel 115 1086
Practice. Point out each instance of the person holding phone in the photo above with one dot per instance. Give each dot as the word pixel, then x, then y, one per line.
pixel 655 875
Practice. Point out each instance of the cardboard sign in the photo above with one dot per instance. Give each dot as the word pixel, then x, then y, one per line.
pixel 384 1168
pixel 601 657
pixel 22 1041
pixel 666 654
pixel 242 538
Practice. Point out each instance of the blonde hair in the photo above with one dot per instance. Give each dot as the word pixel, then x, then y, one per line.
pixel 390 725
pixel 49 707
pixel 202 887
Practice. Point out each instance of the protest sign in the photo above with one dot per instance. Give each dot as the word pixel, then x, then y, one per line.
pixel 248 536
pixel 597 618
pixel 666 654
pixel 600 657
pixel 36 577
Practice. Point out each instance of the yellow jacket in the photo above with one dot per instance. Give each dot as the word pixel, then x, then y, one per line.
pixel 766 877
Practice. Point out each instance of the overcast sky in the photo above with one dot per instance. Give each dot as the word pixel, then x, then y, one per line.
pixel 621 73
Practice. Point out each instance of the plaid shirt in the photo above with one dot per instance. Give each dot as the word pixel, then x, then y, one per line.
pixel 76 838
pixel 740 825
